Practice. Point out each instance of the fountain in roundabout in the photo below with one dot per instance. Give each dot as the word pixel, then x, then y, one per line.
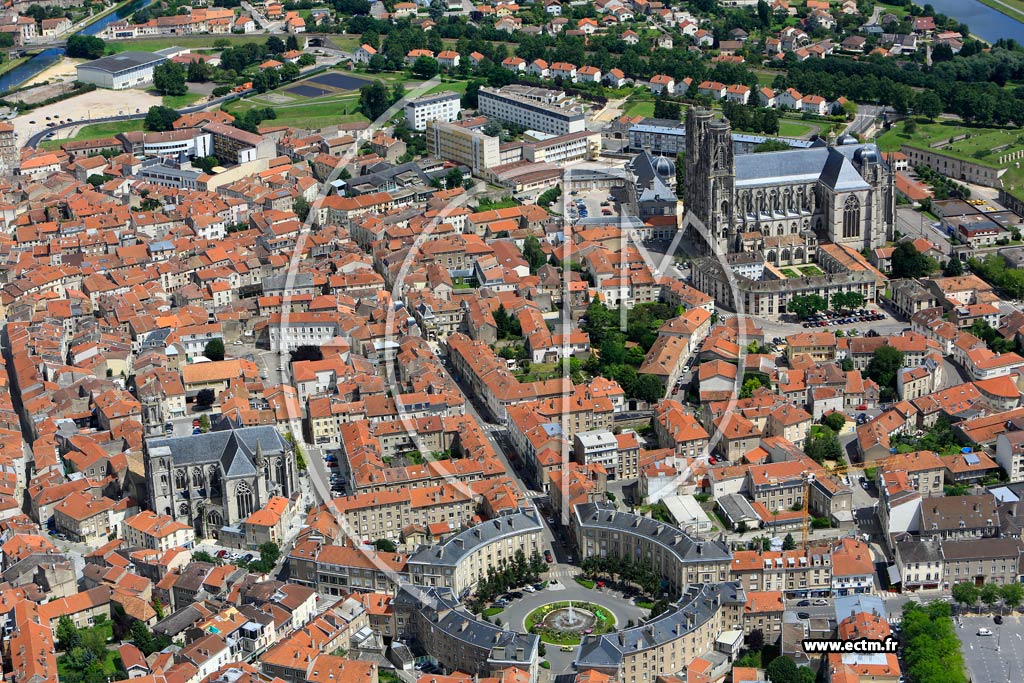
pixel 569 619
pixel 564 623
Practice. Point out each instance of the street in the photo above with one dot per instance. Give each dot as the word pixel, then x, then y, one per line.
pixel 995 658
pixel 915 224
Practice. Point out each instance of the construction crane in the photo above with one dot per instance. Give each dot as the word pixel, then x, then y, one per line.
pixel 808 480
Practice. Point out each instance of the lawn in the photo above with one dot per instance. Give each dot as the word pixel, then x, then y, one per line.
pixel 604 623
pixel 453 86
pixel 586 583
pixel 540 371
pixel 789 272
pixel 977 147
pixel 110 662
pixel 640 108
pixel 97 130
pixel 315 113
pixel 198 43
pixel 491 611
pixel 181 101
pixel 793 129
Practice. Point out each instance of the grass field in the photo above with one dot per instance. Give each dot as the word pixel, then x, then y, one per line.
pixel 640 108
pixel 192 42
pixel 179 101
pixel 977 147
pixel 793 129
pixel 96 130
pixel 308 113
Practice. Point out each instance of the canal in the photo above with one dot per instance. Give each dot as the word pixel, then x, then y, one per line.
pixel 985 22
pixel 47 58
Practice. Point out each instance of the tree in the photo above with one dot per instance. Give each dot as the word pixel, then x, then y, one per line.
pixel 749 387
pixel 784 670
pixel 834 421
pixel 1013 594
pixel 954 267
pixel 648 388
pixel 292 43
pixel 928 104
pixel 160 118
pixel 214 349
pixel 533 254
pixel 270 553
pixel 990 594
pixel 788 543
pixel 373 100
pixel 85 47
pixel 275 45
pixel 425 67
pixel 301 207
pixel 204 423
pixel 169 78
pixel 205 398
pixel 764 15
pixel 666 109
pixel 822 444
pixel 385 545
pixel 910 126
pixel 806 306
pixel 845 301
pixel 67 634
pixel 453 179
pixel 306 352
pixel 266 79
pixel 198 71
pixel 908 262
pixel 884 365
pixel 966 593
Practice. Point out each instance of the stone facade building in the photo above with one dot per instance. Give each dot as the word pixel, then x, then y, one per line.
pixel 219 478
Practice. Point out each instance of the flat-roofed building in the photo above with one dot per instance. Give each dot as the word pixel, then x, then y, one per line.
pixel 541 109
pixel 124 70
pixel 440 106
pixel 463 145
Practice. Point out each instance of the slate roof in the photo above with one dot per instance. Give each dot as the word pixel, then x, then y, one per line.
pixel 234 449
pixel 698 604
pixel 832 165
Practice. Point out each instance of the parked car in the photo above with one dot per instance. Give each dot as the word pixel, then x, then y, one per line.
pixel 529 589
pixel 820 602
pixel 984 632
pixel 538 586
pixel 516 595
pixel 548 556
pixel 567 648
pixel 803 615
pixel 804 603
pixel 222 553
pixel 998 618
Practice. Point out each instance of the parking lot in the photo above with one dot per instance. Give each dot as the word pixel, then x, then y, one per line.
pixel 826 320
pixel 592 207
pixel 996 658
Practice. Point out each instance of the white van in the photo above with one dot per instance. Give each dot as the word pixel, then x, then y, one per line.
pixel 984 632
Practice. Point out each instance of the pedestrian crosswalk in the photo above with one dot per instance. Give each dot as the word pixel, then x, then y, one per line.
pixel 563 572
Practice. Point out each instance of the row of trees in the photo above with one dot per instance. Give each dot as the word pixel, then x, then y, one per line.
pixel 990 594
pixel 639 573
pixel 931 649
pixel 520 571
pixel 805 306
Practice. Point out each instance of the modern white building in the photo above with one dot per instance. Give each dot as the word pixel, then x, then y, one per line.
pixel 121 71
pixel 597 447
pixel 541 109
pixel 440 106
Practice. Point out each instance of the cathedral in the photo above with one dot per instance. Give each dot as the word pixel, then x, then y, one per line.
pixel 219 478
pixel 782 205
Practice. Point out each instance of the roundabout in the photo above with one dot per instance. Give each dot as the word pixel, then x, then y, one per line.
pixel 566 622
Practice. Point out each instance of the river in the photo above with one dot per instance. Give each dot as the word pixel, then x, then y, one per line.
pixel 47 58
pixel 985 22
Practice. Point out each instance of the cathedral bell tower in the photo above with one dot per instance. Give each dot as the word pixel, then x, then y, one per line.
pixel 710 177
